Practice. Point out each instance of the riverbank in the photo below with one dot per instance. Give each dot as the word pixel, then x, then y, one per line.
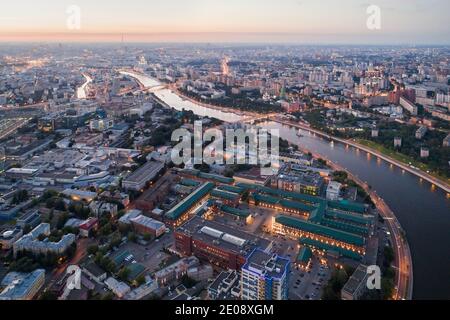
pixel 245 114
pixel 417 172
pixel 406 160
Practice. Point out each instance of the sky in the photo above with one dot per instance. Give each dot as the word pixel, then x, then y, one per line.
pixel 295 21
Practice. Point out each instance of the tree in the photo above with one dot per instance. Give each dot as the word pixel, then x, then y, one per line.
pixel 48 295
pixel 147 237
pixel 388 254
pixel 92 249
pixel 124 273
pixel 132 236
pixel 188 282
pixel 140 280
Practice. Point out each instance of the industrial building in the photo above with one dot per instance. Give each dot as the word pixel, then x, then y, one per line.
pixel 145 225
pixel 218 244
pixel 137 180
pixel 178 214
pixel 320 237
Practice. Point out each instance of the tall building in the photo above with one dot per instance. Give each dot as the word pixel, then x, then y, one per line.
pixel 265 277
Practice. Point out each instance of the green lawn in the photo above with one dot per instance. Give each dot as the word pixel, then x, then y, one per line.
pixel 401 157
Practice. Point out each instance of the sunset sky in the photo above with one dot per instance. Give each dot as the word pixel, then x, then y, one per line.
pixel 302 21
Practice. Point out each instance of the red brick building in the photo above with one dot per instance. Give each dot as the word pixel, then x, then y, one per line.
pixel 218 244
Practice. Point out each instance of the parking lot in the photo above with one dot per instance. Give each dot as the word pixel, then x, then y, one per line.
pixel 151 255
pixel 308 285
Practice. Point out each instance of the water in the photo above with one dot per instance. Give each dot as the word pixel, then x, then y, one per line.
pixel 178 103
pixel 81 91
pixel 423 211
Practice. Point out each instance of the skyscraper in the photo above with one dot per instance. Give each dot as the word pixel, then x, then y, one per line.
pixel 265 277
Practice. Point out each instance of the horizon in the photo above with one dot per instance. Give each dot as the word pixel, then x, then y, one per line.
pixel 415 22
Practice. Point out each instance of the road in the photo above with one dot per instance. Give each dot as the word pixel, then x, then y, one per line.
pixel 80 253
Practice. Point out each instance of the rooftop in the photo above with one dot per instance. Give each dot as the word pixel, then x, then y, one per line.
pixel 224 236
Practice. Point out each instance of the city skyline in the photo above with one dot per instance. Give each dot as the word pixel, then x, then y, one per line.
pixel 292 21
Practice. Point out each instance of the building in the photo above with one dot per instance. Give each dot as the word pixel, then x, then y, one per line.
pixel 304 258
pixel 145 225
pixel 31 218
pixel 292 178
pixel 22 286
pixel 178 214
pixel 217 244
pixel 333 190
pixel 265 277
pixel 397 142
pixel 120 289
pixel 225 287
pixel 424 152
pixel 322 237
pixel 409 106
pixel 143 291
pixel 356 286
pixel 375 133
pixel 156 194
pixel 175 271
pixel 421 132
pixel 31 243
pixel 80 195
pixel 100 208
pixel 237 214
pixel 8 237
pixel 446 142
pixel 131 214
pixel 138 180
pixel 94 272
pixel 201 273
pixel 227 197
pixel 88 226
pixel 101 124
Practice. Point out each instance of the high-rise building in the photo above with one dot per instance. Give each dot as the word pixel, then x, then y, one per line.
pixel 265 277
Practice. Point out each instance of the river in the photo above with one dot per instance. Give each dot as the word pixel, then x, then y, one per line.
pixel 423 210
pixel 81 91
